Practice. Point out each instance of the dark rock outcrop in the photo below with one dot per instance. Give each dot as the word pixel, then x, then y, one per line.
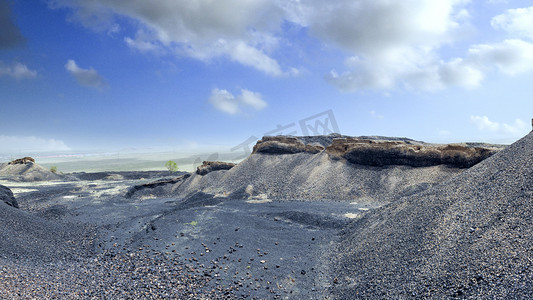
pixel 22 161
pixel 211 166
pixel 6 195
pixel 384 153
pixel 379 151
pixel 285 145
pixel 156 184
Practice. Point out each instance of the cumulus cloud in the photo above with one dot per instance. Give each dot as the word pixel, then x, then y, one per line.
pixel 388 44
pixel 242 30
pixel 380 27
pixel 510 56
pixel 10 35
pixel 85 77
pixel 226 102
pixel 483 123
pixel 142 45
pixel 12 144
pixel 394 42
pixel 398 44
pixel 17 71
pixel 517 21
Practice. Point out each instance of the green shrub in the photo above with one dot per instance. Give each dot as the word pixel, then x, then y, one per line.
pixel 53 169
pixel 172 166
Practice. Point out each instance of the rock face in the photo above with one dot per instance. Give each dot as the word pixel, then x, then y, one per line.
pixel 378 151
pixel 22 161
pixel 159 187
pixel 470 237
pixel 211 166
pixel 6 195
pixel 285 145
pixel 385 153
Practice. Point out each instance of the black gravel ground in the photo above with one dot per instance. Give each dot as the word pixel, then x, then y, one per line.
pixel 85 240
pixel 470 237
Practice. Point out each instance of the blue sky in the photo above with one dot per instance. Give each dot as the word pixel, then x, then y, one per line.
pixel 78 75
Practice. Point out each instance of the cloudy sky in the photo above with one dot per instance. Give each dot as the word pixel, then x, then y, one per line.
pixel 110 74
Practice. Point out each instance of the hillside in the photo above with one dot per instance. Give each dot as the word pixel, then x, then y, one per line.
pixel 470 236
pixel 330 167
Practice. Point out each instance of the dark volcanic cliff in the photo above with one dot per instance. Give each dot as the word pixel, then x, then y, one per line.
pixel 380 152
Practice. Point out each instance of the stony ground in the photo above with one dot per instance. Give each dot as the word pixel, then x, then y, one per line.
pixel 89 241
pixel 443 236
pixel 470 237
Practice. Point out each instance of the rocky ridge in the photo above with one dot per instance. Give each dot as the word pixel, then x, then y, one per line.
pixel 380 152
pixel 363 169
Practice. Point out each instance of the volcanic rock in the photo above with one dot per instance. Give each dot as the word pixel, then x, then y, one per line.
pixel 22 161
pixel 159 187
pixel 6 195
pixel 211 166
pixel 384 153
pixel 285 145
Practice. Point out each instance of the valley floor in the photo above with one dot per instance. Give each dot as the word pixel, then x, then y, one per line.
pixel 160 247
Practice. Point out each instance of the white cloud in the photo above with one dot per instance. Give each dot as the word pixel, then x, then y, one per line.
pixel 517 21
pixel 17 71
pixel 398 44
pixel 393 42
pixel 389 44
pixel 226 102
pixel 242 30
pixel 85 77
pixel 378 28
pixel 141 45
pixel 459 72
pixel 510 56
pixel 143 42
pixel 252 57
pixel 483 123
pixel 12 144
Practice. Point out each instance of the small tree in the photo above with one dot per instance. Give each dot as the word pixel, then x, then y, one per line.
pixel 172 166
pixel 53 169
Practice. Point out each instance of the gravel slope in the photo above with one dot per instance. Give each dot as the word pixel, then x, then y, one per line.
pixel 314 177
pixel 469 237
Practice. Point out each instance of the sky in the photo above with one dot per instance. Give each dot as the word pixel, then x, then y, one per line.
pixel 77 75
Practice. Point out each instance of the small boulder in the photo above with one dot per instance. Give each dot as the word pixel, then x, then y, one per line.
pixel 6 195
pixel 210 166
